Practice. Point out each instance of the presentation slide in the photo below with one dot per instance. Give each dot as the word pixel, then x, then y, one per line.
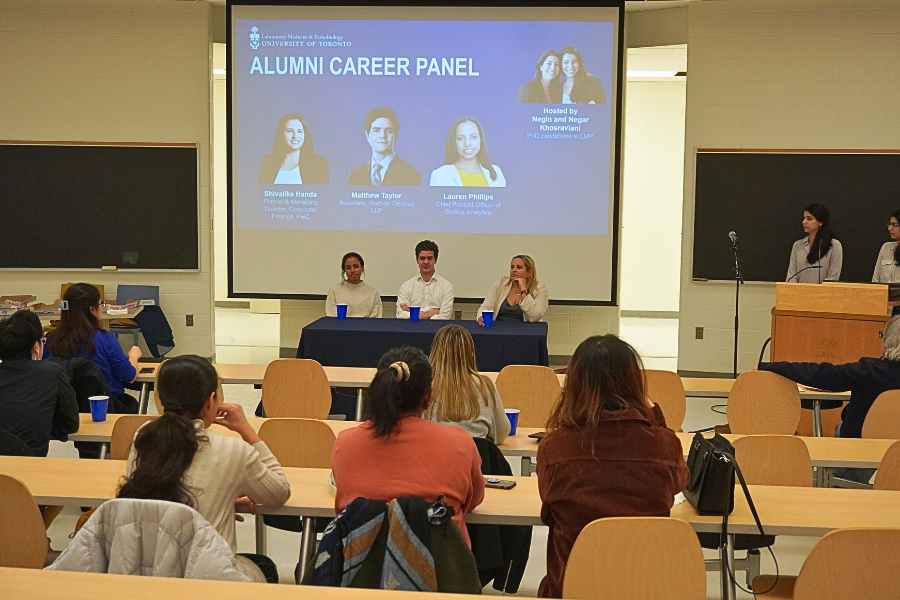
pixel 477 128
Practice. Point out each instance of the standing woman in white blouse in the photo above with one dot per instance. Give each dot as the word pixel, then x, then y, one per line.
pixel 518 297
pixel 887 267
pixel 818 256
pixel 362 299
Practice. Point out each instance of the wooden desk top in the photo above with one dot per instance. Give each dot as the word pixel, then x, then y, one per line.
pixel 824 452
pixel 36 584
pixel 694 387
pixel 783 510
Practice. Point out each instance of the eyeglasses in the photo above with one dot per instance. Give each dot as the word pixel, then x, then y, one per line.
pixel 893 224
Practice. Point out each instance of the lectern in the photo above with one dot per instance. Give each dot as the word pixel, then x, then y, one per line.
pixel 832 322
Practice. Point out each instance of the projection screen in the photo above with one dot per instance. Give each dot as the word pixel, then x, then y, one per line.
pixel 436 89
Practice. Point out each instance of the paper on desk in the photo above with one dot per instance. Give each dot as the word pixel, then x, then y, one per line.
pixel 679 498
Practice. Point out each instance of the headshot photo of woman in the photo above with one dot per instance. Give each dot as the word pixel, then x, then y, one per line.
pixel 518 297
pixel 887 266
pixel 362 299
pixel 293 159
pixel 545 87
pixel 466 158
pixel 818 256
pixel 579 86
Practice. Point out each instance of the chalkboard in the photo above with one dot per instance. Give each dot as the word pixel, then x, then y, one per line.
pixel 82 206
pixel 761 196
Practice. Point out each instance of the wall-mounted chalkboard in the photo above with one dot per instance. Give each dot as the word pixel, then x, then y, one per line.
pixel 81 206
pixel 760 196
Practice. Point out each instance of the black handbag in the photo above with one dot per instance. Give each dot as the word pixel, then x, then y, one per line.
pixel 711 487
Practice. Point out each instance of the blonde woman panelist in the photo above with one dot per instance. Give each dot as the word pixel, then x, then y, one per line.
pixel 518 297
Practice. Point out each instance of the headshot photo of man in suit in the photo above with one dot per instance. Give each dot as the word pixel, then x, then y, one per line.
pixel 384 167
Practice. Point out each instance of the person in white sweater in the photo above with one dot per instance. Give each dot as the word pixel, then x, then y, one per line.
pixel 519 297
pixel 177 457
pixel 362 299
pixel 462 396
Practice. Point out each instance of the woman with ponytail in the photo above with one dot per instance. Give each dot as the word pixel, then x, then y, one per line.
pixel 887 267
pixel 818 256
pixel 396 453
pixel 79 334
pixel 177 458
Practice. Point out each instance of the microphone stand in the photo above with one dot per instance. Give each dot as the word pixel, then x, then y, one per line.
pixel 738 280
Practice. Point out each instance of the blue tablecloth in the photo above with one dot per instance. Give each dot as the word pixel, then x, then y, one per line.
pixel 361 342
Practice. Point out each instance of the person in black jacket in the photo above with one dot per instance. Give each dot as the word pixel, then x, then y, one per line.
pixel 293 159
pixel 545 87
pixel 864 379
pixel 37 404
pixel 384 167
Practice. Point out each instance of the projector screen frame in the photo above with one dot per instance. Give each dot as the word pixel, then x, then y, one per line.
pixel 616 134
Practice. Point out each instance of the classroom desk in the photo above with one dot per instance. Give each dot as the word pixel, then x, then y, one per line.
pixel 36 584
pixel 824 452
pixel 362 342
pixel 782 510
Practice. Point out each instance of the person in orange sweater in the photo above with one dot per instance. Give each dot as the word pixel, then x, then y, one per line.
pixel 608 453
pixel 396 453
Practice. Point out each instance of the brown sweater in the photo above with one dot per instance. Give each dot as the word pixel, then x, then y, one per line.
pixel 624 467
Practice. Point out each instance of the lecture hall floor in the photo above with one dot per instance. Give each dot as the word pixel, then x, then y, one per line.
pixel 254 338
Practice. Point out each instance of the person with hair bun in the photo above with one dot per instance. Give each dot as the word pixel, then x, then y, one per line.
pixel 362 299
pixel 608 452
pixel 818 256
pixel 177 457
pixel 80 334
pixel 397 453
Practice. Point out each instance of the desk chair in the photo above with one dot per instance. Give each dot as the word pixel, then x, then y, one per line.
pixel 297 388
pixel 781 460
pixel 845 563
pixel 888 475
pixel 304 443
pixel 636 558
pixel 882 422
pixel 124 293
pixel 761 402
pixel 534 390
pixel 666 389
pixel 123 434
pixel 23 538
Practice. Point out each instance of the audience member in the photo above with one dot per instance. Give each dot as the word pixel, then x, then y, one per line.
pixel 396 453
pixel 608 452
pixel 178 458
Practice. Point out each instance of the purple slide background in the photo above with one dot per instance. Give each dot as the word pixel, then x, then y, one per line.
pixel 553 186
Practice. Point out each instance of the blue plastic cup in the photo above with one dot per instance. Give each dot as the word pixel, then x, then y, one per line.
pixel 513 415
pixel 414 313
pixel 99 406
pixel 342 311
pixel 488 317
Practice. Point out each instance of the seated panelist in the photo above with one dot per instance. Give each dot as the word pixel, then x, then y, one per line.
pixel 429 291
pixel 362 299
pixel 518 297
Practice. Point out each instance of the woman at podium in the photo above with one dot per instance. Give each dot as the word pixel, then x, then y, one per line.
pixel 818 256
pixel 886 267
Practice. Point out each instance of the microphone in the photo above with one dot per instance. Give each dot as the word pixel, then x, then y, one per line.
pixel 733 237
pixel 806 269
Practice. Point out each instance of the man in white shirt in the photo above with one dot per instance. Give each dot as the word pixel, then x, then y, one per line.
pixel 384 168
pixel 429 291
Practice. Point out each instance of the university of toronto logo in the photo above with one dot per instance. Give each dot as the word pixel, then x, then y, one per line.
pixel 254 38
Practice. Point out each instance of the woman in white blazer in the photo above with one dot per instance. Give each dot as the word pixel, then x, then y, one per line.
pixel 466 158
pixel 518 297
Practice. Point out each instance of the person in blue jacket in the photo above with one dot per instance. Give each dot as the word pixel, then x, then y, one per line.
pixel 864 379
pixel 80 334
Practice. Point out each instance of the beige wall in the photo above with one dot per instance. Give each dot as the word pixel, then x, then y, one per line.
pixel 774 74
pixel 114 70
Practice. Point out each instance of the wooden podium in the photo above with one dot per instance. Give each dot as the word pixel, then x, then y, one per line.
pixel 832 322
